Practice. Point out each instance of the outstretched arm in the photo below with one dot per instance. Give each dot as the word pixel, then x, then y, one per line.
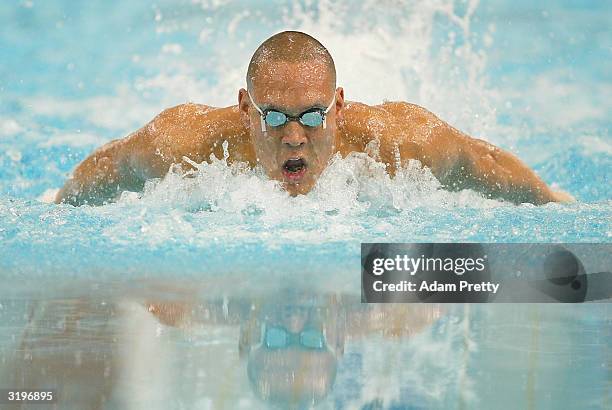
pixel 462 162
pixel 187 130
pixel 120 165
pixel 101 176
pixel 124 164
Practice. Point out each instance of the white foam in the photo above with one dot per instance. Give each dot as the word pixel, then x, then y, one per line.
pixel 217 201
pixel 14 155
pixel 555 101
pixel 593 144
pixel 9 127
pixel 124 111
pixel 172 48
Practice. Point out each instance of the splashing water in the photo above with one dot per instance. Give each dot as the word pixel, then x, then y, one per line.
pixel 437 54
pixel 539 90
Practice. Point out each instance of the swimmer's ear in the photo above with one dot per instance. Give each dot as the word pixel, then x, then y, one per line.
pixel 243 107
pixel 339 103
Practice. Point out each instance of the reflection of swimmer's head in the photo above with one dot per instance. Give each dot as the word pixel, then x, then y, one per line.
pixel 292 73
pixel 294 364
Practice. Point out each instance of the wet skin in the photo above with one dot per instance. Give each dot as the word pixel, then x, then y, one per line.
pixel 399 131
pixel 293 89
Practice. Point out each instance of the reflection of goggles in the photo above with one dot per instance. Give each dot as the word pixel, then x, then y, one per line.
pixel 277 337
pixel 313 117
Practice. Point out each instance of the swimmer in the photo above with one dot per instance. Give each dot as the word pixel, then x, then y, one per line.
pixel 291 119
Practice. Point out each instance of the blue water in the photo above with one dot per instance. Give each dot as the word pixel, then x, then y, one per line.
pixel 532 79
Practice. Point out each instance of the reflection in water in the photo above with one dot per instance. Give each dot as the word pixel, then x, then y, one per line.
pixel 295 358
pixel 68 345
pixel 179 349
pixel 127 353
pixel 291 342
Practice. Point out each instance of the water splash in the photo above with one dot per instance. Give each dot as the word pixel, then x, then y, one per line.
pixel 432 53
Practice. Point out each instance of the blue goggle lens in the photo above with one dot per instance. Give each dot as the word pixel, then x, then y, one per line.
pixel 276 338
pixel 310 119
pixel 280 338
pixel 275 118
pixel 312 339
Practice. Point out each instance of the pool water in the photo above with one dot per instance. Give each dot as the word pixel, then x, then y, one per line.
pixel 532 79
pixel 108 350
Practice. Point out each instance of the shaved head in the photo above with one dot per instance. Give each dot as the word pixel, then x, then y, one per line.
pixel 293 74
pixel 290 47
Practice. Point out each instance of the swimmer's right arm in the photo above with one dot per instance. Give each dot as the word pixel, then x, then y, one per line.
pixel 98 178
pixel 107 172
pixel 125 164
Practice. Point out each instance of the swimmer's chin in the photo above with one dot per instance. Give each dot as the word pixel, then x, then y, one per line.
pixel 295 189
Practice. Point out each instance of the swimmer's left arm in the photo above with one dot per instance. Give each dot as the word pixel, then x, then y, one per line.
pixel 391 320
pixel 461 162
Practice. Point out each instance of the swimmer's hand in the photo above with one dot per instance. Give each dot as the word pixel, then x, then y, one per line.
pixel 562 196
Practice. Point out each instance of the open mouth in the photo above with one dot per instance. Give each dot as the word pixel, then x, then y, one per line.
pixel 294 169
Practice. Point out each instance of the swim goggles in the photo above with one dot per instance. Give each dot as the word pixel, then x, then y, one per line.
pixel 313 117
pixel 277 337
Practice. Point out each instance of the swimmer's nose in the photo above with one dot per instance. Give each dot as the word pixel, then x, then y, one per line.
pixel 294 135
pixel 294 319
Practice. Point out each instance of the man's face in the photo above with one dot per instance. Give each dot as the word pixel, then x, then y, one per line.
pixel 293 154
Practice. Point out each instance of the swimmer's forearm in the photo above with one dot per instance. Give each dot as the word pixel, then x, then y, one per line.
pixel 99 178
pixel 147 153
pixel 468 163
pixel 505 176
pixel 94 181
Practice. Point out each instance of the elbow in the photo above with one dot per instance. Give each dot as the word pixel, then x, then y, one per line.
pixel 66 194
pixel 454 173
pixel 59 197
pixel 70 194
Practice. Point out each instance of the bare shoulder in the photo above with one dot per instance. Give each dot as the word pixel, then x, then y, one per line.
pixel 181 130
pixel 187 130
pixel 399 118
pixel 406 110
pixel 416 122
pixel 360 114
pixel 399 129
pixel 187 116
pixel 435 143
pixel 361 124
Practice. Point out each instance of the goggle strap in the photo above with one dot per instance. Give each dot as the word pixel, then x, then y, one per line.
pixel 261 114
pixel 329 107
